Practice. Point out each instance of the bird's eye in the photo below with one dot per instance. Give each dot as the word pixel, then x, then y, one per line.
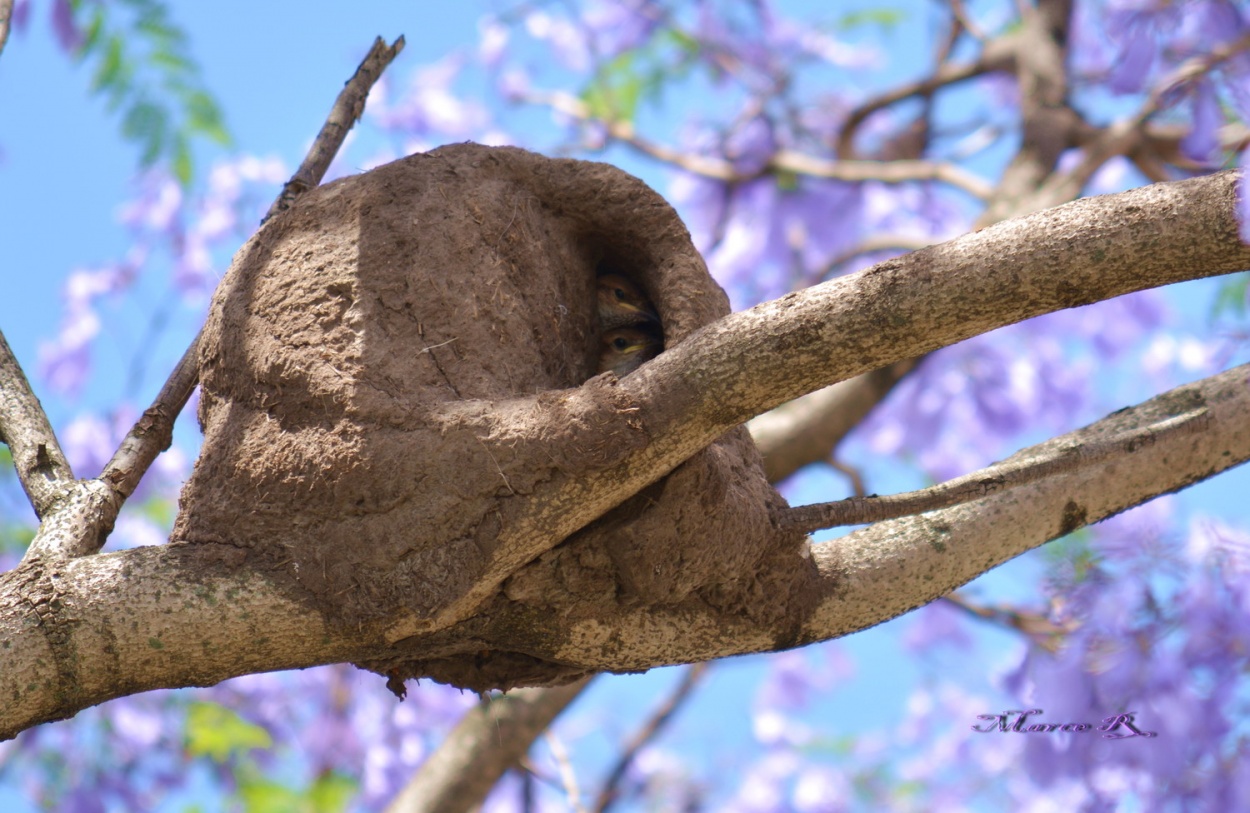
pixel 620 343
pixel 619 294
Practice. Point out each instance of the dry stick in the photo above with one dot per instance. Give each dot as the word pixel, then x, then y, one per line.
pixel 611 793
pixel 1045 632
pixel 41 465
pixel 153 432
pixel 6 19
pixel 347 110
pixel 987 481
pixel 455 778
pixel 783 161
pixel 1123 137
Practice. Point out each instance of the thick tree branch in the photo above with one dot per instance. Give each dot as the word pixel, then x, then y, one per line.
pixel 808 429
pixel 750 362
pixel 41 466
pixel 85 630
pixel 882 571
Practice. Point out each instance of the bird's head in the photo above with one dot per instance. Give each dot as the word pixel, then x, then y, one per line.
pixel 624 349
pixel 622 303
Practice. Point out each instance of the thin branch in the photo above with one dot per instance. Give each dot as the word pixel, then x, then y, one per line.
pixel 610 794
pixel 960 13
pixel 568 778
pixel 153 432
pixel 1041 629
pixel 347 110
pixel 41 466
pixel 486 742
pixel 1126 136
pixel 6 22
pixel 1026 468
pixel 783 161
pixel 997 55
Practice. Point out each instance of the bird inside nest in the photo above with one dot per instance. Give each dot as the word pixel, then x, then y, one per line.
pixel 630 332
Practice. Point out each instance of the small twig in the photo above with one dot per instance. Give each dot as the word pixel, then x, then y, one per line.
pixel 987 481
pixel 41 465
pixel 567 777
pixel 1126 136
pixel 153 432
pixel 6 20
pixel 892 172
pixel 347 110
pixel 611 791
pixel 1046 632
pixel 997 55
pixel 960 13
pixel 851 473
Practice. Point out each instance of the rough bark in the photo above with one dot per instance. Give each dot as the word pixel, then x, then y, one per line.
pixel 408 464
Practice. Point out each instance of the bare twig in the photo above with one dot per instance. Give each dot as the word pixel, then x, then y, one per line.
pixel 348 108
pixel 611 791
pixel 1045 632
pixel 6 21
pixel 783 161
pixel 997 55
pixel 960 13
pixel 41 466
pixel 488 741
pixel 568 778
pixel 983 483
pixel 153 432
pixel 1127 136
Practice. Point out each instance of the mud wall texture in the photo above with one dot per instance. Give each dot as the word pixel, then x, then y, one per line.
pixel 389 370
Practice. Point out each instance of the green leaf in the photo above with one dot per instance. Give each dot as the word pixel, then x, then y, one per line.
pixel 1231 296
pixel 112 69
pixel 219 733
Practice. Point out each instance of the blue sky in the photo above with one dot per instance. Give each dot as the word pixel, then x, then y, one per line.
pixel 275 68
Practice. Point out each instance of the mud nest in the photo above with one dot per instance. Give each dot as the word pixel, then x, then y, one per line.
pixel 382 374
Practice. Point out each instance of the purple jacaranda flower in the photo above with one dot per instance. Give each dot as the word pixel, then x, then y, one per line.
pixel 935 624
pixel 156 206
pixel 68 34
pixel 820 789
pixel 429 104
pixel 615 26
pixel 493 38
pixel 1202 142
pixel 1243 196
pixel 566 40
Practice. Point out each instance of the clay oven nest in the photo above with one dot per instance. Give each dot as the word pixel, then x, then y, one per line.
pixel 396 368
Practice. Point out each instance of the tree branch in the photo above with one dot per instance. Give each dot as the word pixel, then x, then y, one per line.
pixel 791 161
pixel 85 522
pixel 347 110
pixel 6 22
pixel 488 741
pixel 887 569
pixel 41 466
pixel 82 631
pixel 1011 473
pixel 610 794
